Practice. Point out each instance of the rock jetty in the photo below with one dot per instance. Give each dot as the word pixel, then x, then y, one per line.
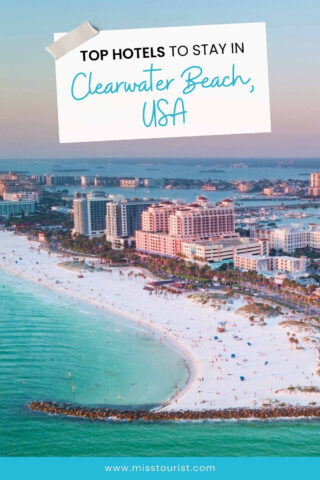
pixel 288 411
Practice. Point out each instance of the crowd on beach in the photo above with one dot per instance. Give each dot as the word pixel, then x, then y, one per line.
pixel 250 365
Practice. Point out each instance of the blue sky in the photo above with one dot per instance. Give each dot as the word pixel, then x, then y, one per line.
pixel 29 115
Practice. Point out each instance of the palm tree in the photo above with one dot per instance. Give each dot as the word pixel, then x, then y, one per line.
pixel 291 340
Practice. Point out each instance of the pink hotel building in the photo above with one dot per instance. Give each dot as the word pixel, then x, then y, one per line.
pixel 166 225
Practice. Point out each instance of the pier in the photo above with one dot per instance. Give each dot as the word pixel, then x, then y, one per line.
pixel 287 411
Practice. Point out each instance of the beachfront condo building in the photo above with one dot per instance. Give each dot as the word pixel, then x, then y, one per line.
pixel 89 213
pixel 158 243
pixel 265 264
pixel 166 225
pixel 156 218
pixel 289 239
pixel 123 218
pixel 202 220
pixel 17 207
pixel 223 250
pixel 314 184
pixel 61 180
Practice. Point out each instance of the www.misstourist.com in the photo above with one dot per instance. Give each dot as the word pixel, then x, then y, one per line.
pixel 159 468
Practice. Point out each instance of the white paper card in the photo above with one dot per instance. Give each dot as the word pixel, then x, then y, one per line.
pixel 165 82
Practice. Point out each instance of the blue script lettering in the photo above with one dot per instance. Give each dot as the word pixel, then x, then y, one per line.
pixel 73 84
pixel 84 85
pixel 193 78
pixel 159 117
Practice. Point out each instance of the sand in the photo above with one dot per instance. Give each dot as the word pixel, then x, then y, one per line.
pixel 261 354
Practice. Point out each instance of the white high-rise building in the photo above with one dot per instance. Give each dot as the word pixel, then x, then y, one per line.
pixel 289 239
pixel 314 237
pixel 89 212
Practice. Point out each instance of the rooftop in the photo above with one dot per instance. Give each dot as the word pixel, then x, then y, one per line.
pixel 235 241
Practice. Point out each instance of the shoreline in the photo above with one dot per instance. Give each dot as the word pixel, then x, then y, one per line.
pixel 171 342
pixel 215 361
pixel 186 355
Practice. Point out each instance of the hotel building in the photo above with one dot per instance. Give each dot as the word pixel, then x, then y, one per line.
pixel 17 207
pixel 224 249
pixel 158 243
pixel 156 217
pixel 123 218
pixel 61 180
pixel 129 182
pixel 314 239
pixel 314 184
pixel 202 221
pixel 290 239
pixel 89 212
pixel 266 264
pixel 86 181
pixel 165 226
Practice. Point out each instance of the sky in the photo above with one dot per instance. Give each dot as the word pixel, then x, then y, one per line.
pixel 28 113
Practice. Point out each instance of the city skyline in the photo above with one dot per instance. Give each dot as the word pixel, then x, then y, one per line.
pixel 30 127
pixel 231 276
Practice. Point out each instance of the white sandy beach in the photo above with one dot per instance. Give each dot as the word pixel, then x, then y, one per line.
pixel 263 355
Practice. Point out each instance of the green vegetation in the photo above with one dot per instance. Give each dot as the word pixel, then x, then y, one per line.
pixel 98 247
pixel 308 389
pixel 32 224
pixel 177 267
pixel 80 243
pixel 43 218
pixel 252 309
pixel 300 323
pixel 76 266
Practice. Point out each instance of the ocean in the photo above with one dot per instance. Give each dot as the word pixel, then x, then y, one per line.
pixel 203 168
pixel 54 349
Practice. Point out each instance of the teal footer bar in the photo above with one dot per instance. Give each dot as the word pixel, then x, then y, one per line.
pixel 182 467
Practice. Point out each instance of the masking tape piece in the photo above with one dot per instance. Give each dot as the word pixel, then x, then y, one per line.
pixel 72 40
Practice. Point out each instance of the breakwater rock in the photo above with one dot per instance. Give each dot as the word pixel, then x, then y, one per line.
pixel 288 411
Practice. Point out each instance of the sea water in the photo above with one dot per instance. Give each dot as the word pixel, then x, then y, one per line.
pixel 54 348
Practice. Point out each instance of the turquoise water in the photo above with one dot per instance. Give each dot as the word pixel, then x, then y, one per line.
pixel 43 338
